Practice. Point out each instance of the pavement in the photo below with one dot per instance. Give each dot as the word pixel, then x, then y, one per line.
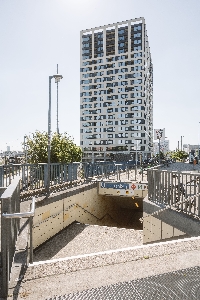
pixel 144 276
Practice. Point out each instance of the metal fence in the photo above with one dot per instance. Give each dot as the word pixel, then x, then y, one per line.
pixel 35 176
pixel 10 216
pixel 10 202
pixel 180 190
pixel 105 169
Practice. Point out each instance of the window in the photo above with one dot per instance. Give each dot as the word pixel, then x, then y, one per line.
pixel 86 51
pixel 123 70
pixel 120 31
pixel 123 122
pixel 137 34
pixel 137 61
pixel 109 123
pixel 137 42
pixel 137 28
pixel 85 63
pixel 86 57
pixel 136 68
pixel 124 96
pixel 121 116
pixel 85 38
pixel 137 48
pixel 136 81
pixel 138 54
pixel 121 63
pixel 86 45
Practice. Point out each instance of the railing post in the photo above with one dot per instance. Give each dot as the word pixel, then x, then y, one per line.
pixel 46 184
pixel 70 172
pixel 75 170
pixel 1 176
pixel 4 247
pixel 31 239
pixel 198 199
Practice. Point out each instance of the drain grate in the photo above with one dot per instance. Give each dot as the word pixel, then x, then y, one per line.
pixel 183 284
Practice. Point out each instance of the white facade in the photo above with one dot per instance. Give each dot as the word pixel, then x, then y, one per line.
pixel 116 86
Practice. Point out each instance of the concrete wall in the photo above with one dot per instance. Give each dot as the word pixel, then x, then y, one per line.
pixel 83 204
pixel 166 223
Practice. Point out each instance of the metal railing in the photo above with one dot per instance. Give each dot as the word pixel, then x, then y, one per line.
pixel 107 169
pixel 29 215
pixel 180 190
pixel 10 227
pixel 35 176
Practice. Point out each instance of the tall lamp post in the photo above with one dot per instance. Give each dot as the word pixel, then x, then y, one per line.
pixel 57 102
pixel 57 79
pixel 136 157
pixel 150 143
pixel 198 147
pixel 25 149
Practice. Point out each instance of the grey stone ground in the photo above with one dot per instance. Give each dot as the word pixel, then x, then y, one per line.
pixel 105 238
pixel 81 280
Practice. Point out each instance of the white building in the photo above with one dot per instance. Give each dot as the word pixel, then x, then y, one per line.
pixel 116 90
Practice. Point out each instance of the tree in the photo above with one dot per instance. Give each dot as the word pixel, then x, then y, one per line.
pixel 179 155
pixel 63 148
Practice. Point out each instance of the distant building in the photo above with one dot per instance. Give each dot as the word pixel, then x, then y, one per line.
pixel 188 148
pixel 116 85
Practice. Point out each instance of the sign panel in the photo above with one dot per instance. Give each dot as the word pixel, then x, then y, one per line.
pixel 114 185
pixel 122 188
pixel 159 134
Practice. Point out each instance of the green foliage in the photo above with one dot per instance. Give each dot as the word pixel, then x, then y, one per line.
pixel 179 155
pixel 162 156
pixel 63 148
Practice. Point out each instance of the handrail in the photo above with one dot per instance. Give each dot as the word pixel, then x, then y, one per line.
pixel 22 215
pixel 30 215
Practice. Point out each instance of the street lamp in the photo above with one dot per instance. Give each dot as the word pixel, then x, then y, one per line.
pixel 136 156
pixel 198 147
pixel 150 142
pixel 57 102
pixel 57 79
pixel 25 149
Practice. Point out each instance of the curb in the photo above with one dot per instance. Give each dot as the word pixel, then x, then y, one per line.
pixel 109 257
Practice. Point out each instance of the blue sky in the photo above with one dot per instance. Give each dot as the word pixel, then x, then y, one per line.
pixel 36 35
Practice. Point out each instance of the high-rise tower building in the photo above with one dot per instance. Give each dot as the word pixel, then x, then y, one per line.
pixel 116 94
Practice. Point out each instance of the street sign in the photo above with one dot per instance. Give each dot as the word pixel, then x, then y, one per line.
pixel 159 134
pixel 123 188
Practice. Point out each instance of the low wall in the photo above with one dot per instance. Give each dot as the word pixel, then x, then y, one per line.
pixel 160 223
pixel 94 260
pixel 85 205
pixel 81 204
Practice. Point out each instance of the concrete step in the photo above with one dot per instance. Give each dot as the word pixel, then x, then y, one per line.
pixel 65 265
